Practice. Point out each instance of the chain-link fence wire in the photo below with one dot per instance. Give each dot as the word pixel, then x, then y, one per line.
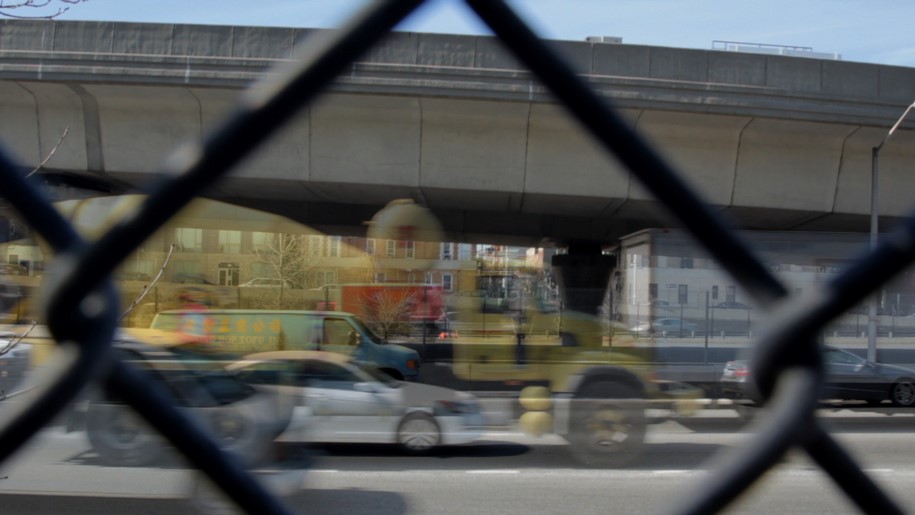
pixel 81 306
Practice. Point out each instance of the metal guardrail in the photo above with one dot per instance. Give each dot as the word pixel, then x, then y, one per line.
pixel 81 306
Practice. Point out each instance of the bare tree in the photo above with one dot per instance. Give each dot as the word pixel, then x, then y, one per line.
pixel 388 312
pixel 289 258
pixel 148 288
pixel 36 9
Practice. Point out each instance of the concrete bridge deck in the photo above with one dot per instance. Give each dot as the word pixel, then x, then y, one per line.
pixel 457 124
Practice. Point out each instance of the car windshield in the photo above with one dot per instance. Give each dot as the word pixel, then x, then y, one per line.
pixel 525 236
pixel 368 332
pixel 838 356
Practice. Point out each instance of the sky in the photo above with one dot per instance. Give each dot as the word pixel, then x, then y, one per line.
pixel 874 31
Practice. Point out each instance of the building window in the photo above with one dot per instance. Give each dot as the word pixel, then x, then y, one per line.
pixel 333 246
pixel 714 293
pixel 410 249
pixel 428 277
pixel 731 295
pixel 446 253
pixel 262 270
pixel 325 278
pixel 379 277
pixel 686 262
pixel 390 247
pixel 411 278
pixel 464 251
pixel 189 240
pixel 261 241
pixel 187 271
pixel 682 294
pixel 370 247
pixel 315 246
pixel 230 242
pixel 447 282
pixel 146 266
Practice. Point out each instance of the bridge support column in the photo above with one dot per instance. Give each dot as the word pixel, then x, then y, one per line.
pixel 583 275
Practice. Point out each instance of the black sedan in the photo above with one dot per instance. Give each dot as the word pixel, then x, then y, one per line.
pixel 849 378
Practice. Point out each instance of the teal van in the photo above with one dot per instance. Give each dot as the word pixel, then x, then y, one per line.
pixel 246 331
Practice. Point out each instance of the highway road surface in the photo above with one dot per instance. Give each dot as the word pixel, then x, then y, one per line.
pixel 504 472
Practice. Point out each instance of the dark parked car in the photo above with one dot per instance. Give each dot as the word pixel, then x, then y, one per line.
pixel 134 276
pixel 14 363
pixel 849 378
pixel 732 304
pixel 13 269
pixel 192 279
pixel 10 296
pixel 669 326
pixel 244 419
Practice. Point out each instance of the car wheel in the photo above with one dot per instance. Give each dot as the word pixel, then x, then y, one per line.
pixel 120 436
pixel 418 433
pixel 903 393
pixel 237 433
pixel 607 425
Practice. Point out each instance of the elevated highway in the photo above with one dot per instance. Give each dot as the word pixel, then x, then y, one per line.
pixel 456 124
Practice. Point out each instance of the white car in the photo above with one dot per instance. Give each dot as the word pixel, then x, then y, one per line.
pixel 340 400
pixel 266 282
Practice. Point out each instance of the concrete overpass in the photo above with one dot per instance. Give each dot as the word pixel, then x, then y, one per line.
pixel 455 123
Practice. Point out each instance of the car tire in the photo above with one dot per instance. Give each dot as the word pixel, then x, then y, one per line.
pixel 120 437
pixel 235 431
pixel 418 433
pixel 605 432
pixel 902 393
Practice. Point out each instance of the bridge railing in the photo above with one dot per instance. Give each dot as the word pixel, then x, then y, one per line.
pixel 81 309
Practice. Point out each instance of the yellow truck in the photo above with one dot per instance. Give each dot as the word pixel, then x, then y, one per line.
pixel 591 388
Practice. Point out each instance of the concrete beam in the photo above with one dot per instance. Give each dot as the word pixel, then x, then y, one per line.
pixel 792 166
pixel 458 124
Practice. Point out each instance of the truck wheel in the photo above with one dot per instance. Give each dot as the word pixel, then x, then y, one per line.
pixel 393 372
pixel 120 436
pixel 607 425
pixel 418 433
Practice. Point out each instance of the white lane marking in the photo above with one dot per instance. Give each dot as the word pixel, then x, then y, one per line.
pixel 879 470
pixel 493 471
pixel 670 472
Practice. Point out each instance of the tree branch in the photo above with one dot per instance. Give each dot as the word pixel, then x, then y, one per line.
pixel 146 289
pixel 5 8
pixel 51 153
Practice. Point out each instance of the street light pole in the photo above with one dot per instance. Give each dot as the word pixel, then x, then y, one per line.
pixel 872 309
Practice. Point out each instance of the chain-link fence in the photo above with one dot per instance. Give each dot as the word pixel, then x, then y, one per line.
pixel 82 310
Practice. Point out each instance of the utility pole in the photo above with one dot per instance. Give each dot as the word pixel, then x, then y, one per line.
pixel 872 309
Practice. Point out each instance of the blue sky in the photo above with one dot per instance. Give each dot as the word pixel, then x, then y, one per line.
pixel 876 31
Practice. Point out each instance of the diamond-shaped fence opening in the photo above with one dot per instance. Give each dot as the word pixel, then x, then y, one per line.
pixel 81 306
